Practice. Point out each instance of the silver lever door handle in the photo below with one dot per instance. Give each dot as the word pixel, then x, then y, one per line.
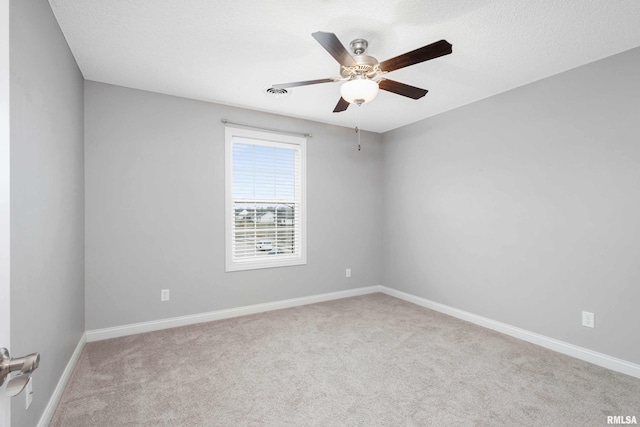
pixel 26 365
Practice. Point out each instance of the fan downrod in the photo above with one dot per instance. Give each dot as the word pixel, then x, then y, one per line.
pixel 358 46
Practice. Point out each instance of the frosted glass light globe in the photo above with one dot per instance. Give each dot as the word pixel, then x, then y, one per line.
pixel 356 89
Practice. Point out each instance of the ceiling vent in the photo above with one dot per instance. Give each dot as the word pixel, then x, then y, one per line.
pixel 276 93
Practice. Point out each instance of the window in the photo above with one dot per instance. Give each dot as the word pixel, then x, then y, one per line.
pixel 265 200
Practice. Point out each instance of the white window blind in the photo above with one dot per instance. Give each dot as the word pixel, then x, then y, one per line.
pixel 265 200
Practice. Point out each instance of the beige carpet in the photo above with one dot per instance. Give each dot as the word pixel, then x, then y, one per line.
pixel 365 361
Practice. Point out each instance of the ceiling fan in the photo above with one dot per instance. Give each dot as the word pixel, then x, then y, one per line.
pixel 364 75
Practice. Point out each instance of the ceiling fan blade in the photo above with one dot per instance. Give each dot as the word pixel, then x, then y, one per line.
pixel 341 105
pixel 425 53
pixel 303 83
pixel 402 89
pixel 331 43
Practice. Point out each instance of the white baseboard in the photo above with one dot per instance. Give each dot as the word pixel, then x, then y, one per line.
pixel 50 409
pixel 581 353
pixel 156 325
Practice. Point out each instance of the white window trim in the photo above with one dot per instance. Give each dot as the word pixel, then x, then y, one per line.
pixel 252 264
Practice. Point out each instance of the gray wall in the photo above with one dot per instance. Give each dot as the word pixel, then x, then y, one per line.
pixel 525 207
pixel 155 209
pixel 47 199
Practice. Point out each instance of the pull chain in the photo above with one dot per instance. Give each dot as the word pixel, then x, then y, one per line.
pixel 358 124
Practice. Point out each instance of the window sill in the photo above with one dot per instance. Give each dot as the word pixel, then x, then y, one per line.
pixel 255 265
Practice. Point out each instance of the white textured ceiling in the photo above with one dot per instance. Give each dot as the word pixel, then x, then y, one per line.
pixel 228 51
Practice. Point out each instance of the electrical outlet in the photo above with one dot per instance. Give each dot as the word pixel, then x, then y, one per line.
pixel 588 319
pixel 348 272
pixel 164 295
pixel 29 392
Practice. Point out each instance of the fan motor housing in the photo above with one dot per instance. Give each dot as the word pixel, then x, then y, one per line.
pixel 367 65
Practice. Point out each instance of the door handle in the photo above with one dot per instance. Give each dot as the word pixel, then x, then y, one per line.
pixel 26 365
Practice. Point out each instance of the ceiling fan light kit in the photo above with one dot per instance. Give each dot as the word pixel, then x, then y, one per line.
pixel 364 75
pixel 359 90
